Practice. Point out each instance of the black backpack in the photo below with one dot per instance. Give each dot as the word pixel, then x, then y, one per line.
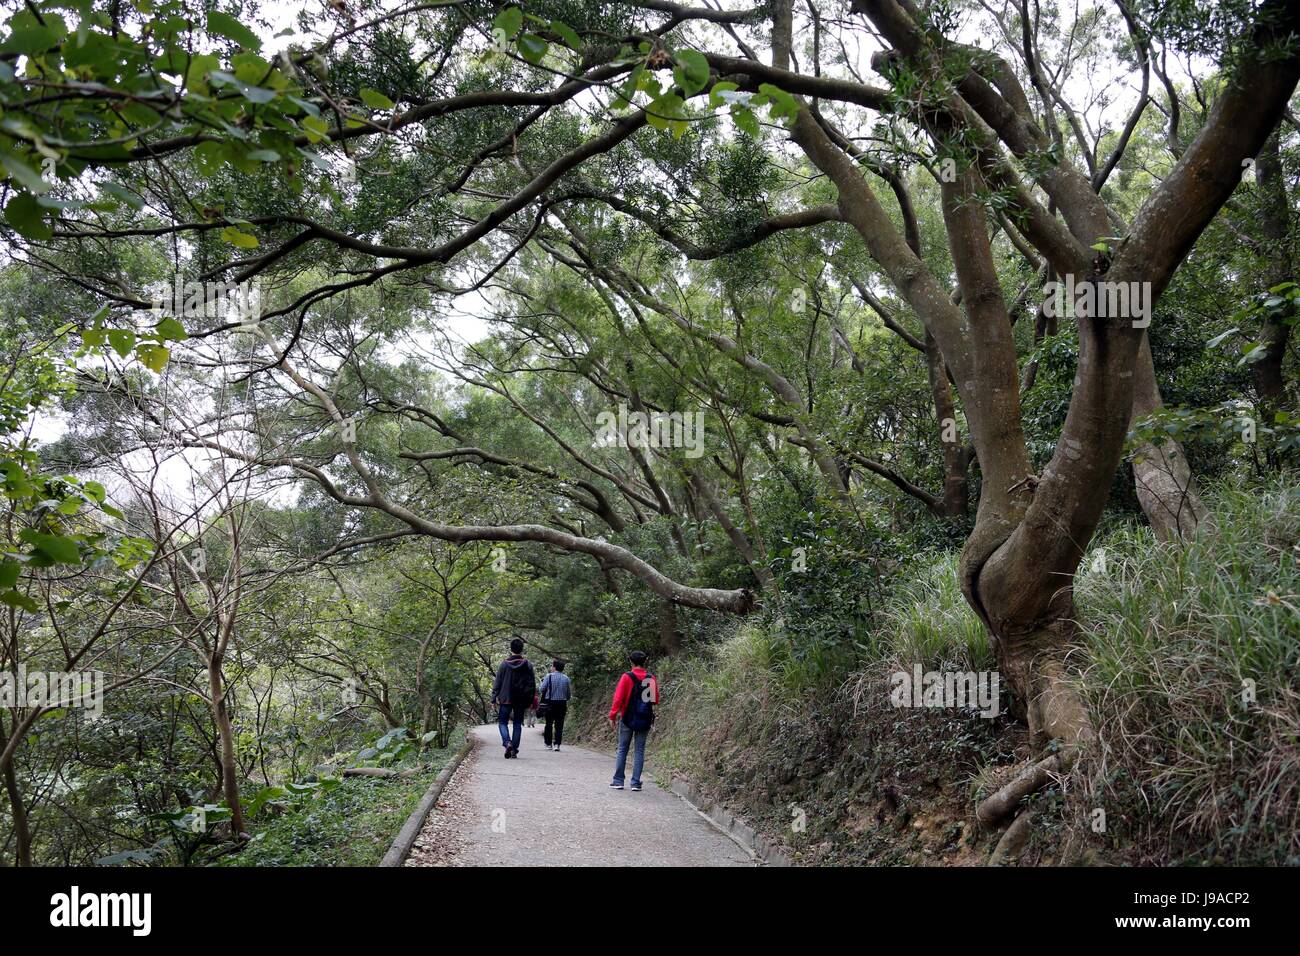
pixel 523 685
pixel 640 712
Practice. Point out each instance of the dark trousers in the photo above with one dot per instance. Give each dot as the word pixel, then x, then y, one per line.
pixel 504 717
pixel 555 711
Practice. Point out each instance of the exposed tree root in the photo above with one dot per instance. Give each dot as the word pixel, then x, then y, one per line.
pixel 1059 724
pixel 1013 840
pixel 1030 779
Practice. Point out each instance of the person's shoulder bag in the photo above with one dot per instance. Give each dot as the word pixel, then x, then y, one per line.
pixel 544 705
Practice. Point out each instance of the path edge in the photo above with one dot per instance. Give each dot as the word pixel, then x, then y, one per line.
pixel 414 825
pixel 766 850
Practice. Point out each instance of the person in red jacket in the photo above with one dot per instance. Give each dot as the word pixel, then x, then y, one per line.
pixel 633 714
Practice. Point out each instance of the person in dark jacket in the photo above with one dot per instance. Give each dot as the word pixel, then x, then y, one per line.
pixel 557 691
pixel 513 693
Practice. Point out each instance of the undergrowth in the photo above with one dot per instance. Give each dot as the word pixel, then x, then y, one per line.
pixel 1188 659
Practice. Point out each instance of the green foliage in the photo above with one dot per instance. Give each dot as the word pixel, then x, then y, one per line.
pixel 57 519
pixel 351 824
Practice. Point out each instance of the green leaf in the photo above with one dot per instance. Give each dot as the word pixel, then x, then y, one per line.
pixel 14 599
pixel 376 100
pixel 308 107
pixel 691 71
pixel 28 36
pixel 629 88
pixel 668 113
pixel 128 197
pixel 532 47
pixel 122 340
pixel 24 174
pixel 265 796
pixel 568 36
pixel 170 330
pixel 196 76
pixel 25 214
pixel 153 356
pixel 241 240
pixel 783 105
pixel 717 95
pixel 509 21
pixel 315 127
pixel 58 548
pixel 223 24
pixel 1218 339
pixel 9 571
pixel 251 68
pixel 254 94
pixel 745 120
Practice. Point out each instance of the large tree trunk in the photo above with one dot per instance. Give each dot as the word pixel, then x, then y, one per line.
pixel 956 453
pixel 1018 568
pixel 1166 488
pixel 670 638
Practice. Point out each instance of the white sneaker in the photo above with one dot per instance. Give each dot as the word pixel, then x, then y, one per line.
pixel 616 786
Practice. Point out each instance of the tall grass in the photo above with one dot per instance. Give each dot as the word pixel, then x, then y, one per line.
pixel 733 693
pixel 1179 638
pixel 927 621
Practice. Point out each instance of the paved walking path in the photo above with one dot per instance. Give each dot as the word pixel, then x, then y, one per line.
pixel 556 809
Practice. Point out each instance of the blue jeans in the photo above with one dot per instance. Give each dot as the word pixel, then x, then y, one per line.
pixel 504 716
pixel 625 737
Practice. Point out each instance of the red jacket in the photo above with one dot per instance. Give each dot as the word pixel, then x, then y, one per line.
pixel 623 692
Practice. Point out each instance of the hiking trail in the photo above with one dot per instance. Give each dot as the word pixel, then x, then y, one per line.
pixel 556 809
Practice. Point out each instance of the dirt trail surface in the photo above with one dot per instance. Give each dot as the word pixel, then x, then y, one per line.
pixel 556 809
